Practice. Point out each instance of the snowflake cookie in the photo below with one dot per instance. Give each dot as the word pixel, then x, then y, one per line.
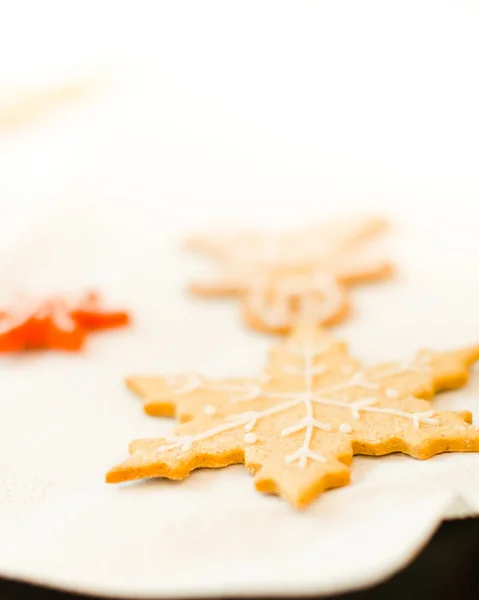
pixel 290 277
pixel 298 427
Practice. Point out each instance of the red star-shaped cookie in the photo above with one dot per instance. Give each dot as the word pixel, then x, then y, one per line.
pixel 55 322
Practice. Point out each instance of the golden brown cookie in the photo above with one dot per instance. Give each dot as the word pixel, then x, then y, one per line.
pixel 298 428
pixel 291 277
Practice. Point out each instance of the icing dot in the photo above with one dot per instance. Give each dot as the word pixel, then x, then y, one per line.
pixel 345 428
pixel 210 410
pixel 392 393
pixel 250 438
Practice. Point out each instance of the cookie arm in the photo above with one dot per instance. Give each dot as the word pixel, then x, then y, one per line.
pixel 162 458
pixel 428 372
pixel 300 486
pixel 158 400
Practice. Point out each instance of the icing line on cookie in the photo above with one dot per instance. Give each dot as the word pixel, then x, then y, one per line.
pixel 311 308
pixel 56 309
pixel 191 382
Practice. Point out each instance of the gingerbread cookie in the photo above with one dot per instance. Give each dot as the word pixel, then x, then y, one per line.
pixel 55 322
pixel 298 428
pixel 285 279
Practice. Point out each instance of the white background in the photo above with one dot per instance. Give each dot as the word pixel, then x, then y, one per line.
pixel 271 110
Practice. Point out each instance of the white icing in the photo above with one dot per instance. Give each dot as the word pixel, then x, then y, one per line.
pixel 61 317
pixel 250 438
pixel 424 417
pixel 209 409
pixel 407 366
pixel 319 297
pixel 358 379
pixel 308 423
pixel 191 382
pixel 365 406
pixel 54 308
pixel 302 455
pixel 309 398
pixel 184 383
pixel 359 404
pixel 303 424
